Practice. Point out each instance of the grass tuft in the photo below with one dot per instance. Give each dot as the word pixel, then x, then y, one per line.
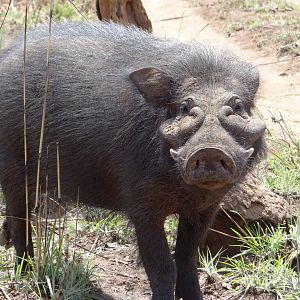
pixel 60 272
pixel 266 263
pixel 272 25
pixel 210 264
pixel 38 12
pixel 282 168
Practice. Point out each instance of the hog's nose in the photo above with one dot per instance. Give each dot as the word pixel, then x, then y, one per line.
pixel 210 168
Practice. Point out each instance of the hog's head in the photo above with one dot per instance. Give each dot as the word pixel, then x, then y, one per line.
pixel 209 130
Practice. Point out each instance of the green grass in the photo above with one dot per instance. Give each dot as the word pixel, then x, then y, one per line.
pixel 63 267
pixel 267 263
pixel 60 270
pixel 106 225
pixel 263 6
pixel 171 230
pixel 39 13
pixel 271 24
pixel 282 168
pixel 210 264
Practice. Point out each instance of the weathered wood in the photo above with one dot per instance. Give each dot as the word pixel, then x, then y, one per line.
pixel 124 11
pixel 248 201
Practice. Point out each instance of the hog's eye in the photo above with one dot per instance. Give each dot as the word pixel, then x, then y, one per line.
pixel 184 108
pixel 239 109
pixel 238 106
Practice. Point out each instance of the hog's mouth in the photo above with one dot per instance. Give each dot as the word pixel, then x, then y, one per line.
pixel 212 185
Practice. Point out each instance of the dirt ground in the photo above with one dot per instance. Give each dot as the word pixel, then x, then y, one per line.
pixel 121 277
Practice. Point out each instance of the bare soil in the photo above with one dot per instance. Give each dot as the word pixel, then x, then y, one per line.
pixel 122 277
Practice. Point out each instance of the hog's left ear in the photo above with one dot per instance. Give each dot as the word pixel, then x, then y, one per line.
pixel 154 84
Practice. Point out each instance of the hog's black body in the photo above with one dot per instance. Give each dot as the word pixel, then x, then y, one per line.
pixel 147 126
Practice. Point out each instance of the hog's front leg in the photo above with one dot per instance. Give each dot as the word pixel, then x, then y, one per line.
pixel 191 232
pixel 156 257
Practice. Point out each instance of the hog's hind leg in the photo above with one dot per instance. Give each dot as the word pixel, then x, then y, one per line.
pixel 16 219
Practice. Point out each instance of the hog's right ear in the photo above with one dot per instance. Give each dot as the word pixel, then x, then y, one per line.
pixel 154 84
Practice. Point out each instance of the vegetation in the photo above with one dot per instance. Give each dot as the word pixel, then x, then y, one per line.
pixel 60 271
pixel 38 12
pixel 268 261
pixel 282 169
pixel 106 225
pixel 272 24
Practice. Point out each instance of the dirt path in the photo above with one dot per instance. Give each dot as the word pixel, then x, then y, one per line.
pixel 279 92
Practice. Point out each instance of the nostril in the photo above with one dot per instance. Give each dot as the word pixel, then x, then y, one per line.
pixel 197 164
pixel 224 164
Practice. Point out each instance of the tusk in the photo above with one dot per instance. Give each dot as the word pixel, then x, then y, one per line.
pixel 249 152
pixel 174 154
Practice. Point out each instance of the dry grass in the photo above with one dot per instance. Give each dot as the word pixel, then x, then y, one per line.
pixel 273 25
pixel 38 12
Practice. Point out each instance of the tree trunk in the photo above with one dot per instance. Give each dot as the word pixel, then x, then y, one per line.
pixel 124 11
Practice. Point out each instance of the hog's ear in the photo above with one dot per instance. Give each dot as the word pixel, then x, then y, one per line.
pixel 154 84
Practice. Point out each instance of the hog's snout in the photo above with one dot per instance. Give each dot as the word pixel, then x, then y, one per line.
pixel 210 168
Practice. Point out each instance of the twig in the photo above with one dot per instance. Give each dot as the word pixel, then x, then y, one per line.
pixel 235 295
pixel 234 222
pixel 194 38
pixel 125 275
pixel 58 192
pixel 58 173
pixel 118 273
pixel 102 256
pixel 76 222
pixel 277 62
pixel 46 197
pixel 169 19
pixel 2 23
pixel 25 133
pixel 223 233
pixel 49 286
pixel 180 24
pixel 44 107
pixel 79 11
pixel 5 294
pixel 120 261
pixel 95 242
